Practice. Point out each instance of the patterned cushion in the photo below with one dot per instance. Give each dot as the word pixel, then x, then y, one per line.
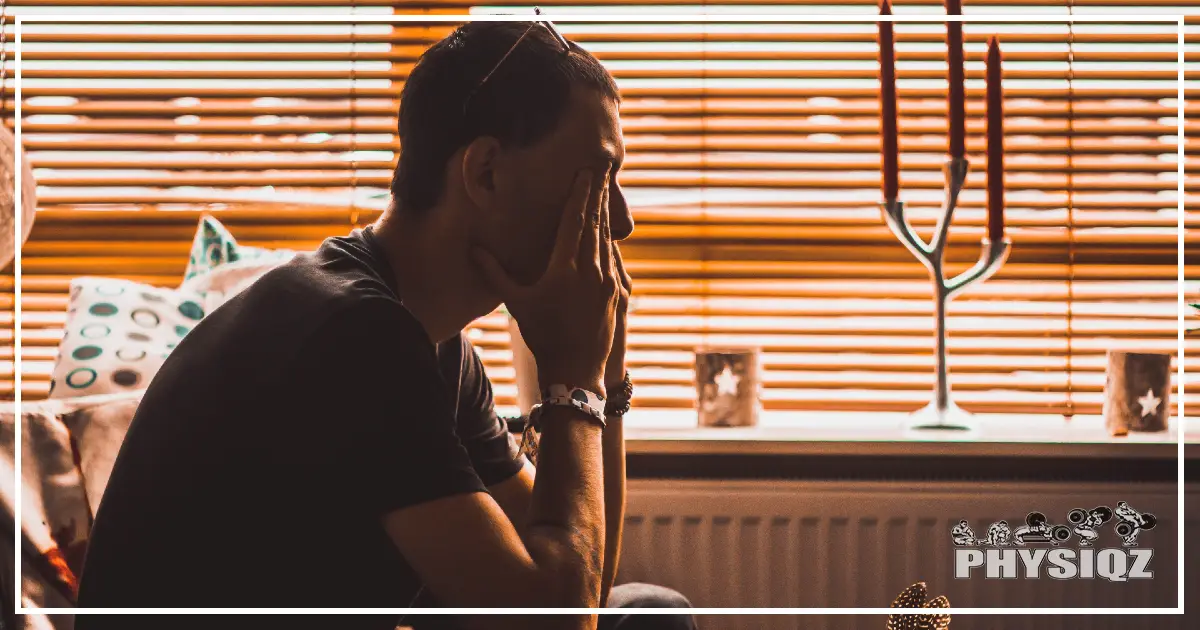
pixel 55 518
pixel 117 334
pixel 224 282
pixel 98 431
pixel 220 267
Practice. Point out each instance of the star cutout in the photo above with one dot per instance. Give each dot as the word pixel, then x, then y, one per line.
pixel 726 382
pixel 1149 403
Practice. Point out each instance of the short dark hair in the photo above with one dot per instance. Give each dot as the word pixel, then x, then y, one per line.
pixel 520 103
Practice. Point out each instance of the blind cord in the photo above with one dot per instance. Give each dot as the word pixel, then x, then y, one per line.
pixel 705 253
pixel 1070 412
pixel 3 60
pixel 354 117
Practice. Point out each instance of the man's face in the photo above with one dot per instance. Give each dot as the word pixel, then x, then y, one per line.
pixel 533 185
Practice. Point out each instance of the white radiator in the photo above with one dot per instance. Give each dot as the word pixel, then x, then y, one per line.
pixel 856 543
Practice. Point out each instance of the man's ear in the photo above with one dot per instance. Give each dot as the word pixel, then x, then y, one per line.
pixel 480 166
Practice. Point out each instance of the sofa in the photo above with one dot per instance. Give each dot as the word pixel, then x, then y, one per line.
pixel 117 335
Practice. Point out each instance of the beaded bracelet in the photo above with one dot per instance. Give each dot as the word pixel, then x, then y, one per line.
pixel 618 404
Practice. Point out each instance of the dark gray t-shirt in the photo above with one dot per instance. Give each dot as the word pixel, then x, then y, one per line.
pixel 275 437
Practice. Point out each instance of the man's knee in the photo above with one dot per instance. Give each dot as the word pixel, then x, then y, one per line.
pixel 638 595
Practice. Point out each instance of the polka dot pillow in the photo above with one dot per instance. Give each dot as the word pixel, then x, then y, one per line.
pixel 117 334
pixel 220 267
pixel 214 247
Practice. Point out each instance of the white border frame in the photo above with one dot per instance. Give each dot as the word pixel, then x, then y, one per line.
pixel 333 18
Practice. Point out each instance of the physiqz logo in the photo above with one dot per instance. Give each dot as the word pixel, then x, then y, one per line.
pixel 1039 548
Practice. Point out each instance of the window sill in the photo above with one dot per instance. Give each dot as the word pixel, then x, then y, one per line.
pixel 674 432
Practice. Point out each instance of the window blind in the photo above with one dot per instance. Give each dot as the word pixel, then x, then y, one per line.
pixel 753 174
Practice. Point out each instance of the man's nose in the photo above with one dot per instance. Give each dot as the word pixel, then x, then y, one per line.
pixel 620 219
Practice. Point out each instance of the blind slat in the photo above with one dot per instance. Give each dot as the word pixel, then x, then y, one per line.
pixel 752 174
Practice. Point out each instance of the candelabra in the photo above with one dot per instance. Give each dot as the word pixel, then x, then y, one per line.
pixel 942 413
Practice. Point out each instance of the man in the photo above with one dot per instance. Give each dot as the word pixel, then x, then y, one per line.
pixel 327 438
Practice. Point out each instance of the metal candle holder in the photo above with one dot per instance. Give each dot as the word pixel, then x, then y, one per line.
pixel 942 413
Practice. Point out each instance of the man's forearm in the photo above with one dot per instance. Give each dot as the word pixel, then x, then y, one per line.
pixel 566 529
pixel 614 501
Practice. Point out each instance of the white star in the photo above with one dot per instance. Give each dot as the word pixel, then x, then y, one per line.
pixel 1149 403
pixel 726 382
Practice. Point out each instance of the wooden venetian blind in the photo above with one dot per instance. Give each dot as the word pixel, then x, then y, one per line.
pixel 752 171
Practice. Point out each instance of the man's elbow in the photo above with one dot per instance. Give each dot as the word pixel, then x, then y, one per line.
pixel 565 585
pixel 532 622
pixel 570 569
pixel 576 585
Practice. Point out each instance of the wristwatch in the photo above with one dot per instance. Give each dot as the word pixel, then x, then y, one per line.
pixel 583 400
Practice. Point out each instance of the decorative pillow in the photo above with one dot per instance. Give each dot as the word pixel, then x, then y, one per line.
pixel 117 334
pixel 214 246
pixel 223 283
pixel 220 267
pixel 98 432
pixel 55 518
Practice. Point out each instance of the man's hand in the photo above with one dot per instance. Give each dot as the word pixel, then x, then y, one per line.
pixel 614 368
pixel 614 433
pixel 566 317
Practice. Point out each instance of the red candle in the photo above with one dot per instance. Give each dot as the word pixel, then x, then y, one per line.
pixel 888 134
pixel 995 143
pixel 956 94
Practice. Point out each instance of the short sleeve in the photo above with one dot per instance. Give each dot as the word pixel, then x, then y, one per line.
pixel 375 378
pixel 493 451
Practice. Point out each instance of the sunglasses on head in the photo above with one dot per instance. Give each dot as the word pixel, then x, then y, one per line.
pixel 566 48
